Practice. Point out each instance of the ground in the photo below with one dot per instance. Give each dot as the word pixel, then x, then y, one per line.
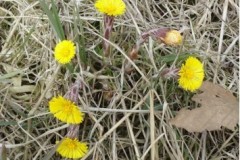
pixel 126 112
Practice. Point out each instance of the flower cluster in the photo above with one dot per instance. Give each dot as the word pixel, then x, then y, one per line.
pixel 66 111
pixel 190 75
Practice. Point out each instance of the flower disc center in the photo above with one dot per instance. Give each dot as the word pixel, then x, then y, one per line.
pixel 189 74
pixel 68 108
pixel 72 145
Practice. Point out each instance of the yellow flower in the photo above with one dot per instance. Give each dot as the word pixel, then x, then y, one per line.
pixel 173 37
pixel 72 148
pixel 111 7
pixel 64 51
pixel 65 110
pixel 191 74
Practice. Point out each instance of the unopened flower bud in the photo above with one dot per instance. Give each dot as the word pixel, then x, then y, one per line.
pixel 133 54
pixel 165 35
pixel 172 37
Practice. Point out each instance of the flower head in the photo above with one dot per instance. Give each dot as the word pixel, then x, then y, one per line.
pixel 65 110
pixel 72 148
pixel 191 74
pixel 64 51
pixel 173 37
pixel 111 7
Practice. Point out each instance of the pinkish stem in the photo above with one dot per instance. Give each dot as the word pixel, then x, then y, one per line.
pixel 108 25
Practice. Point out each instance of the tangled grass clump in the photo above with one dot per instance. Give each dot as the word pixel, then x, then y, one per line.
pixel 123 73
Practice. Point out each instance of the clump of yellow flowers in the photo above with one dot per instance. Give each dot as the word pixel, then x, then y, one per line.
pixel 65 109
pixel 190 75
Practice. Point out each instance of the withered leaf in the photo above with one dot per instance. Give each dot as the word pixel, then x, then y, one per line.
pixel 218 108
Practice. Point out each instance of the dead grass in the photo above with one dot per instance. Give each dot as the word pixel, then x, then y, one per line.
pixel 127 115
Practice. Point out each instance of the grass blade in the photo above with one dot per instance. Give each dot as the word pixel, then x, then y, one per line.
pixel 53 18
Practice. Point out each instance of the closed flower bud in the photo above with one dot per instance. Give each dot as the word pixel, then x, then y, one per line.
pixel 165 35
pixel 133 54
pixel 172 37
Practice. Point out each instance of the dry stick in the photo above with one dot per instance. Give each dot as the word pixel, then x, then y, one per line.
pixel 35 107
pixel 152 125
pixel 229 48
pixel 208 5
pixel 114 151
pixel 152 144
pixel 234 4
pixel 164 110
pixel 128 121
pixel 224 17
pixel 36 38
pixel 204 136
pixel 97 121
pixel 9 37
pixel 174 154
pixel 31 141
pixel 114 127
pixel 150 54
pixel 227 141
pixel 29 135
pixel 34 140
pixel 3 152
pixel 44 145
pixel 94 109
pixel 131 133
pixel 85 106
pixel 124 54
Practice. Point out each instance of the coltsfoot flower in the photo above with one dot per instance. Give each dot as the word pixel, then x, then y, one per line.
pixel 191 74
pixel 173 37
pixel 111 7
pixel 64 51
pixel 72 148
pixel 65 110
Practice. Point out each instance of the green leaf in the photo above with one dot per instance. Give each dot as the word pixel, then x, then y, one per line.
pixel 53 18
pixel 70 67
pixel 8 123
pixel 171 57
pixel 80 39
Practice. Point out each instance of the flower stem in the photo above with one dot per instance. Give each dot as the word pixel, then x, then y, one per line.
pixel 108 25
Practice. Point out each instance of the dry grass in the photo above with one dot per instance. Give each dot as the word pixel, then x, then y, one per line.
pixel 127 115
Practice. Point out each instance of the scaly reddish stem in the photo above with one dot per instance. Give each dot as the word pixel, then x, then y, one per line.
pixel 108 25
